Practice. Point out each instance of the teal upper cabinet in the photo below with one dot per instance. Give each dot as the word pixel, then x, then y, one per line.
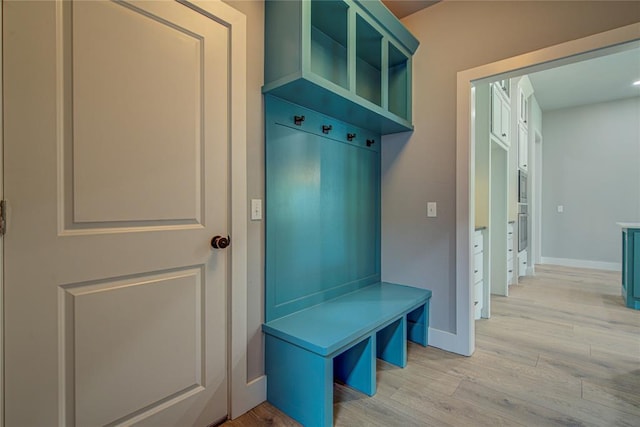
pixel 348 59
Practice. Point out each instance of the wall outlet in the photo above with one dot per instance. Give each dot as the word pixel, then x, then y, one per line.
pixel 432 209
pixel 560 208
pixel 256 209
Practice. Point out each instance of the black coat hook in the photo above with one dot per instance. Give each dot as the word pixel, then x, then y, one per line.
pixel 350 136
pixel 326 128
pixel 370 142
pixel 298 120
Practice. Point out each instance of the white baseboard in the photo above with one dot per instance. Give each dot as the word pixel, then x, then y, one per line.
pixel 582 263
pixel 446 341
pixel 253 394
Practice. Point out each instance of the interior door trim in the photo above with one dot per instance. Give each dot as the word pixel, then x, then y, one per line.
pixel 244 394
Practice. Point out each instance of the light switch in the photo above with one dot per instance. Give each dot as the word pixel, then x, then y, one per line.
pixel 560 208
pixel 256 209
pixel 432 209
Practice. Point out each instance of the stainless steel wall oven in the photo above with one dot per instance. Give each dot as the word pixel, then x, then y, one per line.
pixel 523 225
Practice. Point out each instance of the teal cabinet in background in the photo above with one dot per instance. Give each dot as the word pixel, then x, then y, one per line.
pixel 347 59
pixel 631 264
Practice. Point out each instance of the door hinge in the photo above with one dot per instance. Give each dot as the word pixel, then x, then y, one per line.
pixel 3 217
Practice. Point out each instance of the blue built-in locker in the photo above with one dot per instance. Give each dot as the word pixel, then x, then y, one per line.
pixel 337 76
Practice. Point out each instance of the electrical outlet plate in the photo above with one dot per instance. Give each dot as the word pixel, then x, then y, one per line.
pixel 432 209
pixel 256 209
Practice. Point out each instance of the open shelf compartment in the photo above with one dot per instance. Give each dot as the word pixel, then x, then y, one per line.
pixel 368 61
pixel 398 85
pixel 329 41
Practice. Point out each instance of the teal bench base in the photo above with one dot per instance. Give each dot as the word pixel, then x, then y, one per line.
pixel 340 339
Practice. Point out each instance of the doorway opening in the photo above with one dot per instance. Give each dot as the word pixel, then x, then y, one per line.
pixel 598 45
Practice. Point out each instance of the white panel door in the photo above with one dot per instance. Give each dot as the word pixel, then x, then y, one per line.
pixel 116 174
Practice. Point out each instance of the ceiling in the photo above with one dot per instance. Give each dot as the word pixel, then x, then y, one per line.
pixel 601 79
pixel 402 8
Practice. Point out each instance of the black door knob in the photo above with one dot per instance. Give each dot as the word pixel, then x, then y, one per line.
pixel 219 242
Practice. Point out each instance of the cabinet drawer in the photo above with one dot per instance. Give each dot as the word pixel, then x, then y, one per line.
pixel 478 302
pixel 477 270
pixel 477 293
pixel 522 266
pixel 478 242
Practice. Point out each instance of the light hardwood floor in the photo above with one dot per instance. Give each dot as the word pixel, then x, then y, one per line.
pixel 561 350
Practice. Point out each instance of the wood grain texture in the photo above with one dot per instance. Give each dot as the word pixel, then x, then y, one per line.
pixel 561 350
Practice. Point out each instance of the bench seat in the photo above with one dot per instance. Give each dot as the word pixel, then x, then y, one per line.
pixel 340 338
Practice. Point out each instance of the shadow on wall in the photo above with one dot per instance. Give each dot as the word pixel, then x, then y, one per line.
pixel 392 146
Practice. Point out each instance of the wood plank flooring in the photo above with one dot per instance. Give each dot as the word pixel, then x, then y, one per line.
pixel 561 350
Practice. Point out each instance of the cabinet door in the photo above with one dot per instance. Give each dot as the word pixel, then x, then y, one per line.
pixel 505 86
pixel 496 111
pixel 478 302
pixel 523 107
pixel 522 263
pixel 505 119
pixel 523 147
pixel 633 279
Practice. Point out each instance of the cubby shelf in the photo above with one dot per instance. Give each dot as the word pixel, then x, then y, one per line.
pixel 347 58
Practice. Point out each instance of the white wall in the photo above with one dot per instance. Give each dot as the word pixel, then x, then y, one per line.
pixel 591 166
pixel 420 167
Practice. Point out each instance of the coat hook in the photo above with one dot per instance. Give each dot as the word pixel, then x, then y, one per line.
pixel 350 136
pixel 326 128
pixel 298 120
pixel 370 142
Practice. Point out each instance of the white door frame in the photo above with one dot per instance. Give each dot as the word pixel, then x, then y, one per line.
pixel 1 238
pixel 561 54
pixel 243 395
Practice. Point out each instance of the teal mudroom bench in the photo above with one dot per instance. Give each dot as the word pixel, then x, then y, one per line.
pixel 340 339
pixel 338 76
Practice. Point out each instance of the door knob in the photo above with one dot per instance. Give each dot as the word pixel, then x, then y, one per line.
pixel 219 242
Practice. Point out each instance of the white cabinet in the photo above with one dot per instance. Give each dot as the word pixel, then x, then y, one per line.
pixel 524 91
pixel 522 263
pixel 478 273
pixel 510 264
pixel 523 147
pixel 500 114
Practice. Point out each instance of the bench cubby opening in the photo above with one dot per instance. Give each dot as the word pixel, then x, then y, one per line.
pixel 356 366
